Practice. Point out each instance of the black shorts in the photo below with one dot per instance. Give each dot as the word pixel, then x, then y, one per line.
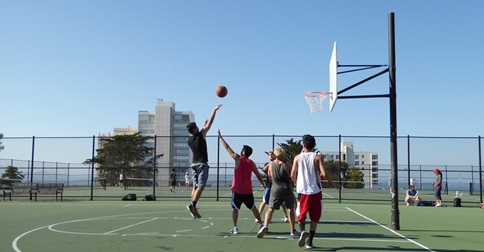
pixel 173 183
pixel 238 199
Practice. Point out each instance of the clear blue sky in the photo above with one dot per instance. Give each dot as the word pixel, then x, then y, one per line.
pixel 79 68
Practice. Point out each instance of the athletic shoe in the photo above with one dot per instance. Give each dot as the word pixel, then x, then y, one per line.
pixel 309 245
pixel 190 209
pixel 302 238
pixel 195 212
pixel 234 230
pixel 286 219
pixel 438 205
pixel 294 233
pixel 262 231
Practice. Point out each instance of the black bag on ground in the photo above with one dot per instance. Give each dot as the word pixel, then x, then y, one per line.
pixel 130 196
pixel 150 197
pixel 426 203
pixel 457 202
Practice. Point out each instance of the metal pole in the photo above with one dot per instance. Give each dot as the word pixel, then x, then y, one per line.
pixel 32 165
pixel 408 160
pixel 393 120
pixel 480 169
pixel 339 172
pixel 218 167
pixel 155 160
pixel 92 166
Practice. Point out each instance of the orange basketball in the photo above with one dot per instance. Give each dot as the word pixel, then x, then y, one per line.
pixel 221 91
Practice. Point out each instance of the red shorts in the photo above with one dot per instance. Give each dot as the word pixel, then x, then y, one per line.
pixel 312 204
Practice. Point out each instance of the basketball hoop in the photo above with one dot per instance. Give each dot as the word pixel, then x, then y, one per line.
pixel 315 100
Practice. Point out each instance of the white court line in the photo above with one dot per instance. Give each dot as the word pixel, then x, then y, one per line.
pixel 139 223
pixel 391 230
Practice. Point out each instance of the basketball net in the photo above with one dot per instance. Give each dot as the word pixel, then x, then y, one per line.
pixel 315 100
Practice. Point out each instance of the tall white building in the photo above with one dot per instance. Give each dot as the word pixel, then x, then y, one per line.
pixel 169 127
pixel 367 162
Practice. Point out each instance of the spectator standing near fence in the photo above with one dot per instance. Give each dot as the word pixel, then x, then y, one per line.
pixel 172 181
pixel 198 144
pixel 306 170
pixel 242 183
pixel 187 181
pixel 438 188
pixel 121 179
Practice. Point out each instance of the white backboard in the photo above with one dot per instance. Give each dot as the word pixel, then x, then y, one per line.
pixel 333 78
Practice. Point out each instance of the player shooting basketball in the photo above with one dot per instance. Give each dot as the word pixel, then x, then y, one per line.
pixel 198 144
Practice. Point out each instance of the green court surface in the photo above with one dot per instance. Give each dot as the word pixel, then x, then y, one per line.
pixel 165 225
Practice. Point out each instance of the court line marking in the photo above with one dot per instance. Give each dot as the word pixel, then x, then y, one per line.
pixel 391 230
pixel 17 239
pixel 136 224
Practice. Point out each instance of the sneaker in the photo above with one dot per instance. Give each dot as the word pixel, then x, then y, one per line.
pixel 286 219
pixel 196 213
pixel 309 245
pixel 438 205
pixel 294 233
pixel 234 230
pixel 190 209
pixel 302 238
pixel 262 232
pixel 257 221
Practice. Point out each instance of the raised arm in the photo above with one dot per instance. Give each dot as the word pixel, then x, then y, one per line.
pixel 208 123
pixel 227 146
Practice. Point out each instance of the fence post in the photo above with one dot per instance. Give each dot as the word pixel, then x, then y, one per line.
pixel 408 160
pixel 480 169
pixel 92 166
pixel 339 172
pixel 32 165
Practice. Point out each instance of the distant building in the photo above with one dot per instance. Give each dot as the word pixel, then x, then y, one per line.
pixel 367 162
pixel 169 127
pixel 117 132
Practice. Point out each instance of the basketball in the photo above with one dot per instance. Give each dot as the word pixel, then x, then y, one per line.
pixel 221 91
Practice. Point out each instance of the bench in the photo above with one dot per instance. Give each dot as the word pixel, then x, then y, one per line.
pixel 33 189
pixel 47 188
pixel 17 188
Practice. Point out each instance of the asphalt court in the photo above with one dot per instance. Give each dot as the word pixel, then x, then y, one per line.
pixel 173 229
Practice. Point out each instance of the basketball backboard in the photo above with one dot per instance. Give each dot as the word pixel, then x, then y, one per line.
pixel 333 78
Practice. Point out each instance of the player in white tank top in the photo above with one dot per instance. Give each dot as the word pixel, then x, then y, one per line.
pixel 307 179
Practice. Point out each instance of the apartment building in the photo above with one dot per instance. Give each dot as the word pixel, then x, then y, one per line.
pixel 169 127
pixel 367 162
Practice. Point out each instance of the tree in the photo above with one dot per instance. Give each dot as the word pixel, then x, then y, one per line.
pixel 355 177
pixel 125 154
pixel 291 149
pixel 351 177
pixel 12 172
pixel 1 146
pixel 332 168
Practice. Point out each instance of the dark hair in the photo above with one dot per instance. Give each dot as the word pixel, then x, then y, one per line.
pixel 309 142
pixel 248 150
pixel 191 126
